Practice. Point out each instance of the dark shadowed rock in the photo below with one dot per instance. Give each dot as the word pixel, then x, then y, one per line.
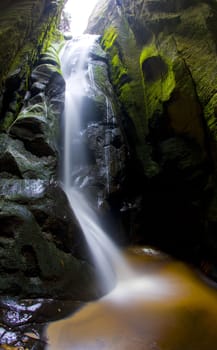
pixel 162 63
pixel 38 234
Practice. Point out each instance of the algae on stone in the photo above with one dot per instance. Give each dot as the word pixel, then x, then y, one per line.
pixel 26 29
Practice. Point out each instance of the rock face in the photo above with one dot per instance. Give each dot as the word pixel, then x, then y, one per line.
pixel 27 28
pixel 162 65
pixel 36 243
pixel 40 244
pixel 99 151
pixel 42 251
pixel 162 58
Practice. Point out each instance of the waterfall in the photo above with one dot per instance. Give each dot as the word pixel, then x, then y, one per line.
pixel 79 78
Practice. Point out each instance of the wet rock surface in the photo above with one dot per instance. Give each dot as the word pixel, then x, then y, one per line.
pixel 30 323
pixel 162 63
pixel 165 305
pixel 26 29
pixel 39 241
pixel 16 160
pixel 102 170
pixel 22 321
pixel 37 124
pixel 42 250
pixel 43 255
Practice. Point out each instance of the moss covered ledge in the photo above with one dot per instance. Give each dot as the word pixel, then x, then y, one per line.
pixel 26 30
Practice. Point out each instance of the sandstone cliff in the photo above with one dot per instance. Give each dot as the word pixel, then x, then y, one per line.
pixel 163 66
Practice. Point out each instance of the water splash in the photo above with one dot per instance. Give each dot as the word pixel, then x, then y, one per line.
pixel 167 307
pixel 106 255
pixel 79 80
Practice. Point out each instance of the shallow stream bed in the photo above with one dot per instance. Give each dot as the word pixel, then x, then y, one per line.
pixel 166 305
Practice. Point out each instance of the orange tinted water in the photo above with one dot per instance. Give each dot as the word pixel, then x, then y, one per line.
pixel 168 307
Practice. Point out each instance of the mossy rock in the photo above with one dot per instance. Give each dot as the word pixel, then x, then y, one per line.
pixel 31 27
pixel 159 78
pixel 126 77
pixel 211 116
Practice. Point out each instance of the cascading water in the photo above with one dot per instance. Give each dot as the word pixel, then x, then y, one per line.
pixel 154 308
pixel 79 80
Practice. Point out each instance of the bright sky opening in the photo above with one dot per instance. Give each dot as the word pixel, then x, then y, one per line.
pixel 79 11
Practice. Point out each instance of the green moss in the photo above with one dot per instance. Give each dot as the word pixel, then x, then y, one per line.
pixel 109 43
pixel 119 71
pixel 31 30
pixel 129 99
pixel 100 77
pixel 127 88
pixel 210 113
pixel 126 98
pixel 157 91
pixel 126 78
pixel 148 51
pixel 6 123
pixel 51 55
pixel 109 38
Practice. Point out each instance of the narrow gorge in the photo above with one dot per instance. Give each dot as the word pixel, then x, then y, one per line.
pixel 108 175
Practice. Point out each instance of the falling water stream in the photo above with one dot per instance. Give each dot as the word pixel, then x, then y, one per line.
pixel 162 304
pixel 79 79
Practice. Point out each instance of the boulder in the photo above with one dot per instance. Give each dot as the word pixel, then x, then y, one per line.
pixel 18 161
pixel 38 236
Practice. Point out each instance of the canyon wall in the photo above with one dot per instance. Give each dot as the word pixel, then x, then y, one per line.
pixel 163 66
pixel 40 240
